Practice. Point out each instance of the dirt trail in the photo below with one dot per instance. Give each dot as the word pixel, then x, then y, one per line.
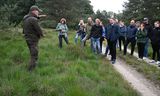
pixel 137 81
pixel 147 60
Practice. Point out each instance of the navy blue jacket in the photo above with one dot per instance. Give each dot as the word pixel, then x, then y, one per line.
pixel 131 31
pixel 123 31
pixel 112 32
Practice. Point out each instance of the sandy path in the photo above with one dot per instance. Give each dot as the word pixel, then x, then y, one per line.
pixel 137 81
pixel 147 60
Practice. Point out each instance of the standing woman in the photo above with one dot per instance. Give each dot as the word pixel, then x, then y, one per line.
pixel 141 39
pixel 63 30
pixel 80 31
pixel 155 41
pixel 95 35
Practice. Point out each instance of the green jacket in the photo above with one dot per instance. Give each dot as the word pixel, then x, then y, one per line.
pixel 62 28
pixel 141 36
pixel 31 28
pixel 88 28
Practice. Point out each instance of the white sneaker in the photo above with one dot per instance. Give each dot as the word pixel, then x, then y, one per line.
pixel 145 58
pixel 158 62
pixel 152 61
pixel 140 59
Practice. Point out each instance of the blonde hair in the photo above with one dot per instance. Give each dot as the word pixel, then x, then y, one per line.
pixel 98 20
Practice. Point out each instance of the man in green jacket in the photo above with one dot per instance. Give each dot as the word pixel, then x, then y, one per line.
pixel 32 33
pixel 88 28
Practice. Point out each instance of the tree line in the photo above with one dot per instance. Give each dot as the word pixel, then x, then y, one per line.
pixel 12 11
pixel 138 9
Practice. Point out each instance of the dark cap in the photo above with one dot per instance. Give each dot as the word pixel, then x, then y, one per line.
pixel 34 7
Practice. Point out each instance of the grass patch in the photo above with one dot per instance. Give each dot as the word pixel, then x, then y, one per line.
pixel 70 71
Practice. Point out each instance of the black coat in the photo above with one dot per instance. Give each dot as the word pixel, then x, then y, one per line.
pixel 155 35
pixel 149 29
pixel 96 31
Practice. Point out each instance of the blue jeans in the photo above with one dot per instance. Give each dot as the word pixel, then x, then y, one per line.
pixel 81 35
pixel 96 45
pixel 146 48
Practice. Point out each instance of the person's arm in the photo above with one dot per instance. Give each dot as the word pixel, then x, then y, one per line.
pixel 66 29
pixel 40 16
pixel 106 32
pixel 58 27
pixel 138 35
pixel 101 32
pixel 118 31
pixel 144 34
pixel 135 32
pixel 150 32
pixel 78 28
pixel 125 31
pixel 37 27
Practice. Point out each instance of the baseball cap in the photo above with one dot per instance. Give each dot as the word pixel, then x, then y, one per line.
pixel 34 7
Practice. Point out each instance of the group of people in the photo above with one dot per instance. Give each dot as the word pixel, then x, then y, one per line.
pixel 116 32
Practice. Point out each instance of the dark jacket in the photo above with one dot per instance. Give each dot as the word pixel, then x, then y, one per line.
pixel 96 31
pixel 31 28
pixel 141 36
pixel 81 29
pixel 123 31
pixel 155 35
pixel 112 32
pixel 149 29
pixel 131 31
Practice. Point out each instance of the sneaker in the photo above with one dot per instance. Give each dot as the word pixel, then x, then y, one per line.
pixel 139 59
pixel 152 61
pixel 158 62
pixel 113 61
pixel 145 58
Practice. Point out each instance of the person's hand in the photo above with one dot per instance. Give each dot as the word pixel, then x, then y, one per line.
pixel 63 31
pixel 42 16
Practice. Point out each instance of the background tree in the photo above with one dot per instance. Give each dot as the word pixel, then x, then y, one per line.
pixel 72 10
pixel 138 9
pixel 12 11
